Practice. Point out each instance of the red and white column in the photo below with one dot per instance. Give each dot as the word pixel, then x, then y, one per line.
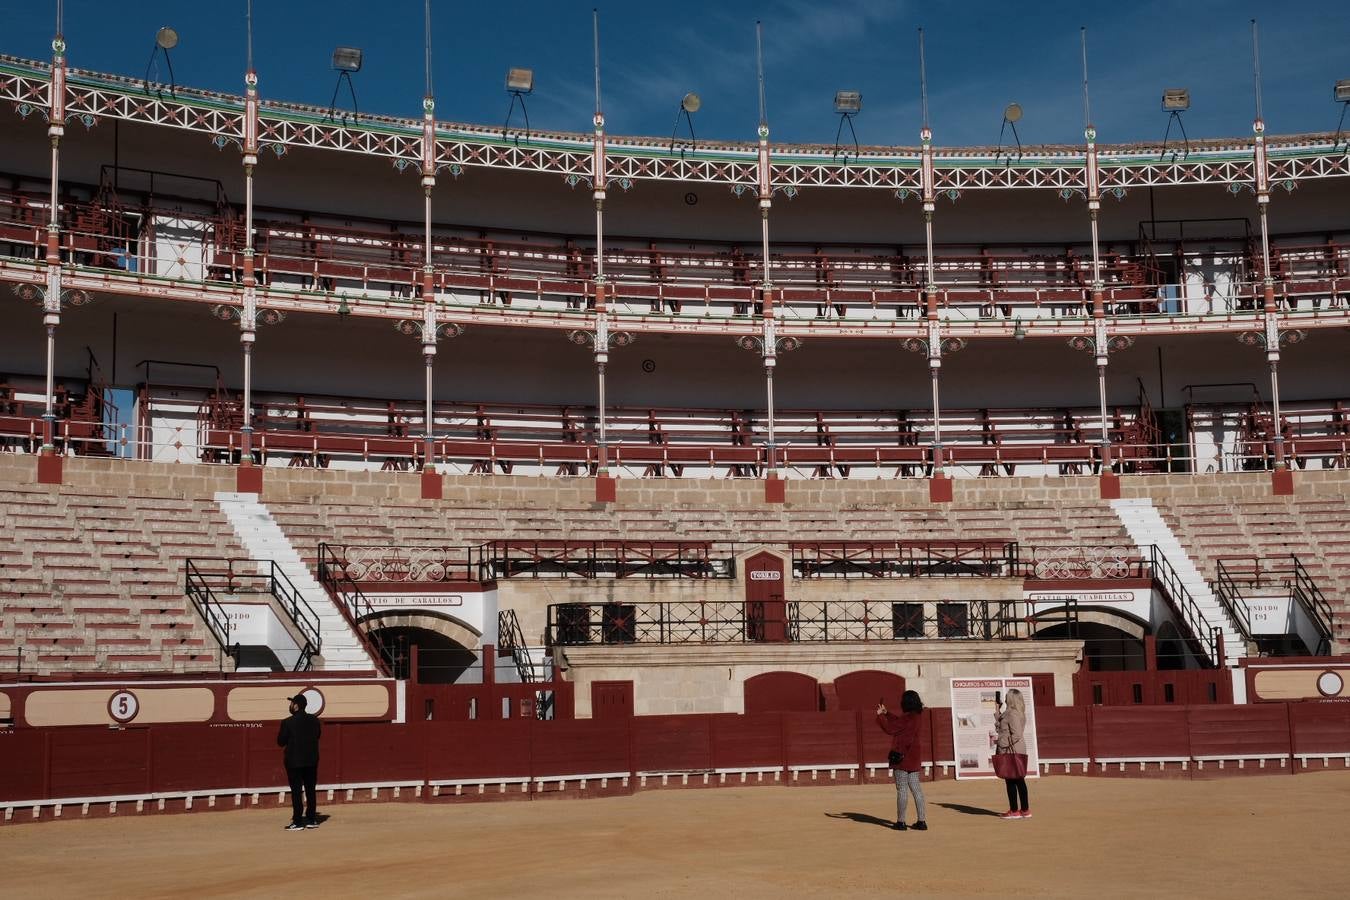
pixel 248 477
pixel 49 463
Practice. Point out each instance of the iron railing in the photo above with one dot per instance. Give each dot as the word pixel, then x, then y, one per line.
pixel 1082 562
pixel 823 621
pixel 1236 575
pixel 511 642
pixel 1205 638
pixel 1228 581
pixel 903 559
pixel 609 559
pixel 208 578
pixel 1309 596
pixel 358 611
pixel 396 564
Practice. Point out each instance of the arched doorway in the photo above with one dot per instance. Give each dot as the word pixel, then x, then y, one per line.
pixel 446 651
pixel 861 690
pixel 1112 642
pixel 781 692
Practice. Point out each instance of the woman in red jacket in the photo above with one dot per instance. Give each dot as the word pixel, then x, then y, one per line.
pixel 906 760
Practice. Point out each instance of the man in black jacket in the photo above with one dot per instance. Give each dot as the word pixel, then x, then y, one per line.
pixel 299 736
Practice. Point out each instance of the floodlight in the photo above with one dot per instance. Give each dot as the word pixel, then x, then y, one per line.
pixel 1012 114
pixel 690 103
pixel 1176 100
pixel 347 59
pixel 848 103
pixel 520 81
pixel 165 40
pixel 1341 91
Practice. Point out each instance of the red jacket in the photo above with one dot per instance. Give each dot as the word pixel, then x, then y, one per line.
pixel 905 731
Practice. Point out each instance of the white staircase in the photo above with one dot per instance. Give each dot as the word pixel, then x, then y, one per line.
pixel 263 539
pixel 1145 526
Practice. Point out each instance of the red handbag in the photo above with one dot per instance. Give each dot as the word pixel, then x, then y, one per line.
pixel 1010 765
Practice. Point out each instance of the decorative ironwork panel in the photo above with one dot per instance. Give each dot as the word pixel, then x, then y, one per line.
pixel 412 565
pixel 568 161
pixel 1069 563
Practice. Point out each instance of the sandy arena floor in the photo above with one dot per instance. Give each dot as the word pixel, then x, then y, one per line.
pixel 1269 836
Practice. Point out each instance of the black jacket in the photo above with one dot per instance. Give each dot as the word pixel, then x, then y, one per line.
pixel 300 736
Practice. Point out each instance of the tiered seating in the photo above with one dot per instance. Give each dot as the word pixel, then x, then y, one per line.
pixel 94 582
pixel 1248 530
pixel 1031 524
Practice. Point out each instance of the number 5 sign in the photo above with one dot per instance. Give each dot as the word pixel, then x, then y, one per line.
pixel 123 706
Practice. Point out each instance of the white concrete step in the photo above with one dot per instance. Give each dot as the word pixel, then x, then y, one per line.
pixel 1145 526
pixel 263 539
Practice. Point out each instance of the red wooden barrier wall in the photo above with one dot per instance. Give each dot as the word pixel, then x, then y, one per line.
pixel 80 763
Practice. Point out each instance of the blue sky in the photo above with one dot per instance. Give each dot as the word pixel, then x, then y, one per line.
pixel 981 55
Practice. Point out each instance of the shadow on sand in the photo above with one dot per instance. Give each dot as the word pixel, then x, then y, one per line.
pixel 861 818
pixel 968 810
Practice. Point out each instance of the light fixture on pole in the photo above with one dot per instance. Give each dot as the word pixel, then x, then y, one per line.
pixel 1176 101
pixel 347 62
pixel 1341 91
pixel 690 103
pixel 519 83
pixel 1012 114
pixel 847 104
pixel 165 40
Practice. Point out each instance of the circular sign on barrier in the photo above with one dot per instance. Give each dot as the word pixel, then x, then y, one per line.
pixel 1329 684
pixel 123 706
pixel 313 701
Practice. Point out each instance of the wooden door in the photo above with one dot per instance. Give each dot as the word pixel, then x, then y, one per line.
pixel 611 699
pixel 765 603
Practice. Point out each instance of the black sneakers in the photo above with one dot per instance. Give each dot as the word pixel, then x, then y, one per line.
pixel 294 826
pixel 899 826
pixel 312 824
pixel 920 825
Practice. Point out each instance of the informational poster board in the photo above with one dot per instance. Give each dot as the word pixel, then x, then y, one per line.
pixel 974 706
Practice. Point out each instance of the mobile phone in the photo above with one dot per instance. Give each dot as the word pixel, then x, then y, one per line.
pixel 998 698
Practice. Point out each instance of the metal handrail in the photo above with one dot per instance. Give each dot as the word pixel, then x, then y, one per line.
pixel 903 559
pixel 1306 593
pixel 511 639
pixel 1202 633
pixel 208 606
pixel 1229 594
pixel 242 576
pixel 603 559
pixel 355 607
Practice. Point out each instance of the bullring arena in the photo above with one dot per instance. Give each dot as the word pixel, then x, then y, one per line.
pixel 556 466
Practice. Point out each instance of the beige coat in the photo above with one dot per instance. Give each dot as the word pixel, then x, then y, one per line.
pixel 1010 726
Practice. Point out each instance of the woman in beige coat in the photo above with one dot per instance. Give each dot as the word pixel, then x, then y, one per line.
pixel 1011 723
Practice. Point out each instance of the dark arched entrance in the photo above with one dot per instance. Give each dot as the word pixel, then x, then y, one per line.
pixel 1105 647
pixel 440 659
